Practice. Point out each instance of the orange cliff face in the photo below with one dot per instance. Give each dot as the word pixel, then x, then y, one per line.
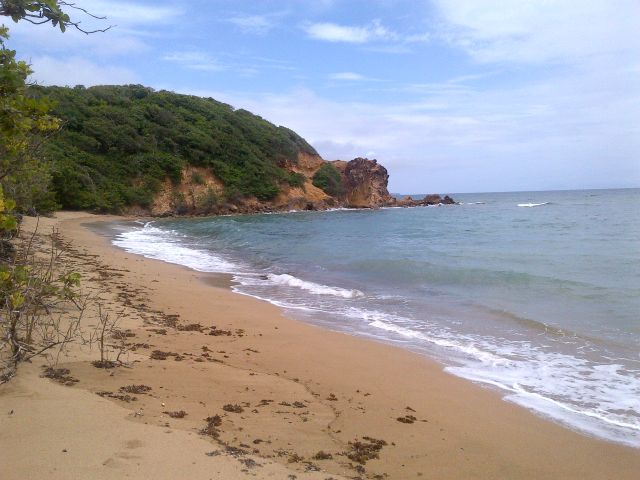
pixel 201 193
pixel 365 183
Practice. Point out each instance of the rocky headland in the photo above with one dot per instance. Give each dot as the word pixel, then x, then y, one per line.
pixel 364 185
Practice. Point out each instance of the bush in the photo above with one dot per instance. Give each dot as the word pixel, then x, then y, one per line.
pixel 197 178
pixel 329 180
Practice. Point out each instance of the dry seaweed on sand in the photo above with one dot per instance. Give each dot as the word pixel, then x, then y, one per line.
pixel 158 331
pixel 322 455
pixel 233 408
pixel 122 334
pixel 106 364
pixel 211 428
pixel 60 375
pixel 295 458
pixel 407 419
pixel 160 355
pixel 249 463
pixel 118 396
pixel 176 414
pixel 138 389
pixel 191 327
pixel 363 451
pixel 216 332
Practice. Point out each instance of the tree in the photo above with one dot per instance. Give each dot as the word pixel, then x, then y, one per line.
pixel 32 291
pixel 39 12
pixel 25 122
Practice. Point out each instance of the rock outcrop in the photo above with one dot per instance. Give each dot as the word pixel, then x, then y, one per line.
pixel 432 199
pixel 365 183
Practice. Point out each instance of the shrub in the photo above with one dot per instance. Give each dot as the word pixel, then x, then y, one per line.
pixel 329 180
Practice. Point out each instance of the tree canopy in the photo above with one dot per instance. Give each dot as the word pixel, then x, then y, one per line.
pixel 118 144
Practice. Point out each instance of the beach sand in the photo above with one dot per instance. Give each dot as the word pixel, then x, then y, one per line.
pixel 284 391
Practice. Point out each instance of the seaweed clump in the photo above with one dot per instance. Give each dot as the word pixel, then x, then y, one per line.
pixel 363 451
pixel 211 428
pixel 60 375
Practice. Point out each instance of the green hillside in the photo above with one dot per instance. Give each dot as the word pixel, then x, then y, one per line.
pixel 118 144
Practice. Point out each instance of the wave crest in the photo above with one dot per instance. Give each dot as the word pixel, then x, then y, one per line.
pixel 315 288
pixel 529 205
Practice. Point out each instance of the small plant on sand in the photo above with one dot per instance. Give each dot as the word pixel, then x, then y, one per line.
pixel 104 330
pixel 40 304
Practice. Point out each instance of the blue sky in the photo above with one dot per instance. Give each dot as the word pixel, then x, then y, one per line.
pixel 451 96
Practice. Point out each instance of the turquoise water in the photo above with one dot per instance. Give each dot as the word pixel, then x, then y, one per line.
pixel 534 293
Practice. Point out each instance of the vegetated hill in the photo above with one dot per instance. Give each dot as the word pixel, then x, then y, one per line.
pixel 120 145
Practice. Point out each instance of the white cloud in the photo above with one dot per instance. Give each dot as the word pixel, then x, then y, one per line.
pixel 256 24
pixel 537 31
pixel 78 71
pixel 332 32
pixel 195 61
pixel 348 76
pixel 252 23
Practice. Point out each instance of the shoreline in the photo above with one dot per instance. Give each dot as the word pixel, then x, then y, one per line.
pixel 350 387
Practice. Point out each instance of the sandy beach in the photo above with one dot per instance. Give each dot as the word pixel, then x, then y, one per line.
pixel 284 399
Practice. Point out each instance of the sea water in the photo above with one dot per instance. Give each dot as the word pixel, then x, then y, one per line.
pixel 536 294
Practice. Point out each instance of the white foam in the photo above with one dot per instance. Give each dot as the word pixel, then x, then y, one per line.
pixel 598 399
pixel 152 242
pixel 466 348
pixel 315 288
pixel 529 205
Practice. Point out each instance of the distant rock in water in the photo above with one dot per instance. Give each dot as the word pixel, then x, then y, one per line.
pixel 431 199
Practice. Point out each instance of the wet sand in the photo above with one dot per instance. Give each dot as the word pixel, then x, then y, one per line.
pixel 291 398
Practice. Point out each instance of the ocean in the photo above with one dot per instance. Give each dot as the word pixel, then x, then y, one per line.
pixel 535 294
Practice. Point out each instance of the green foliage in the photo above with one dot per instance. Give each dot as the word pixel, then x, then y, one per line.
pixel 120 142
pixel 40 12
pixel 24 122
pixel 8 222
pixel 296 179
pixel 35 11
pixel 329 180
pixel 197 178
pixel 208 201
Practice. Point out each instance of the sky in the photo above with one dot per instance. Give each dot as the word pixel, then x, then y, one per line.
pixel 450 95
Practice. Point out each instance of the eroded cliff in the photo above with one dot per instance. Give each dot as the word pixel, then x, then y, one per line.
pixel 363 185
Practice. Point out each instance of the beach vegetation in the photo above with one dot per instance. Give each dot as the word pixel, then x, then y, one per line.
pixel 329 180
pixel 40 306
pixel 40 301
pixel 119 143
